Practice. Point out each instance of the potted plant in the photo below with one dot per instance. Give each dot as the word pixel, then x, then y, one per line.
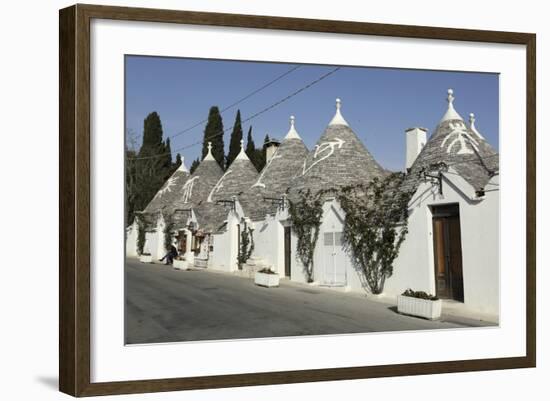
pixel 266 278
pixel 146 258
pixel 180 263
pixel 419 303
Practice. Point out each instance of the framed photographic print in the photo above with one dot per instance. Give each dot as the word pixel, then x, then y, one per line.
pixel 250 200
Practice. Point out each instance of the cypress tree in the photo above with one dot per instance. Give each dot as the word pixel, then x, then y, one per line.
pixel 167 160
pixel 261 154
pixel 250 145
pixel 214 132
pixel 148 175
pixel 194 165
pixel 235 141
pixel 152 135
pixel 178 162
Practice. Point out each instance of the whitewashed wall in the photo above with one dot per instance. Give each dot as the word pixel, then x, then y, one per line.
pixel 331 221
pixel 479 224
pixel 414 267
pixel 131 240
pixel 269 243
pixel 225 246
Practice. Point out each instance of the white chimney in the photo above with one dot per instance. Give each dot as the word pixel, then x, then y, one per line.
pixel 270 148
pixel 416 139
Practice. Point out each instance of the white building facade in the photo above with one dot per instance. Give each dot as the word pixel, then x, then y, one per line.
pixel 452 246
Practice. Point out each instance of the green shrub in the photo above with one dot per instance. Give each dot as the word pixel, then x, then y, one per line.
pixel 420 294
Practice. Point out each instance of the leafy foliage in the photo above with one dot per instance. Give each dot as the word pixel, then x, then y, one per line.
pixel 375 226
pixel 213 132
pixel 140 236
pixel 194 165
pixel 168 232
pixel 235 140
pixel 148 168
pixel 420 294
pixel 306 213
pixel 256 155
pixel 246 246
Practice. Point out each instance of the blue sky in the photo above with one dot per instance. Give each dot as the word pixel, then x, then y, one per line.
pixel 378 103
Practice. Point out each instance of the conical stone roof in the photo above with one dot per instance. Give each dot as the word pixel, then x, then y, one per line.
pixel 339 159
pixel 169 192
pixel 275 178
pixel 197 188
pixel 239 176
pixel 458 146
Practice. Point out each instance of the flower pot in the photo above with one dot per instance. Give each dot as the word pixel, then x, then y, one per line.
pixel 419 307
pixel 146 258
pixel 266 279
pixel 180 264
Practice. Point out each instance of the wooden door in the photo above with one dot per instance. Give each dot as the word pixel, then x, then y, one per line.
pixel 288 251
pixel 182 243
pixel 448 252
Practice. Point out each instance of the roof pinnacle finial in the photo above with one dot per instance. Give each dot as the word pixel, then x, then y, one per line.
pixel 182 166
pixel 209 154
pixel 242 154
pixel 338 119
pixel 451 113
pixel 473 125
pixel 292 133
pixel 450 97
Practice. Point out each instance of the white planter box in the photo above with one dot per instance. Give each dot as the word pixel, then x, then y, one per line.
pixel 180 264
pixel 146 258
pixel 419 307
pixel 266 280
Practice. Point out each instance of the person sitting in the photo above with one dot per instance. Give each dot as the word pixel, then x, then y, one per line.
pixel 172 253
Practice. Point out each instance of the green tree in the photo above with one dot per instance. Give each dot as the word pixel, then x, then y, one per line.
pixel 235 140
pixel 305 213
pixel 194 165
pixel 375 226
pixel 213 132
pixel 178 162
pixel 251 147
pixel 256 155
pixel 260 157
pixel 152 135
pixel 147 169
pixel 166 156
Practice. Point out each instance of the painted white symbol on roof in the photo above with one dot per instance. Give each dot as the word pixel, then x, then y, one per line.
pixel 218 186
pixel 188 189
pixel 462 137
pixel 168 186
pixel 327 148
pixel 259 183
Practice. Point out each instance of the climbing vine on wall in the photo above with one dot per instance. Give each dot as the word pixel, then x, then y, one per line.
pixel 305 214
pixel 168 231
pixel 246 245
pixel 140 235
pixel 375 226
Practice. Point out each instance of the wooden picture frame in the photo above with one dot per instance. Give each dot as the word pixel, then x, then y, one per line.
pixel 74 203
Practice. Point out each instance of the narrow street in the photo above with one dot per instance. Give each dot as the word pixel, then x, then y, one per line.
pixel 167 305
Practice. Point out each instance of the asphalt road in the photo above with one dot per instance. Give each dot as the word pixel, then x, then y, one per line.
pixel 167 305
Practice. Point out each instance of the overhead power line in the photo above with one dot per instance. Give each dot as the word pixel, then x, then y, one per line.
pixel 272 106
pixel 235 103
